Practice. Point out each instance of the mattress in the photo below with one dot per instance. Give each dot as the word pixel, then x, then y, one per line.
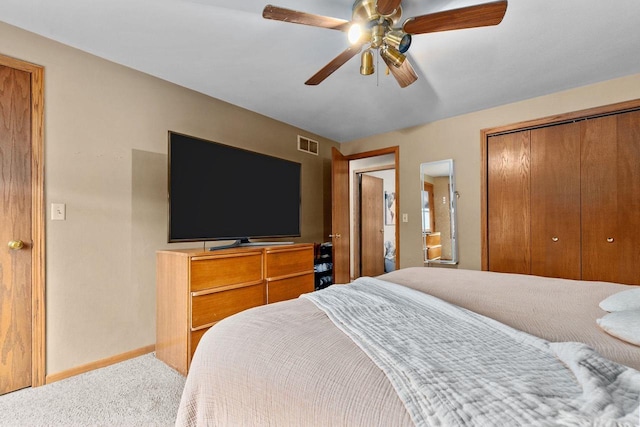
pixel 286 364
pixel 554 309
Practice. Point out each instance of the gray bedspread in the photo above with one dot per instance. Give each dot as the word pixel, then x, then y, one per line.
pixel 453 367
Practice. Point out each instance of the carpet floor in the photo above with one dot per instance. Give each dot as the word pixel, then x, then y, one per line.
pixel 139 392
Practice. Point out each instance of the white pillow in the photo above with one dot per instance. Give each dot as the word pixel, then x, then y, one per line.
pixel 624 300
pixel 622 324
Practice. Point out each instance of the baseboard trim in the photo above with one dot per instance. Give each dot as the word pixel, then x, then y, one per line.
pixel 99 364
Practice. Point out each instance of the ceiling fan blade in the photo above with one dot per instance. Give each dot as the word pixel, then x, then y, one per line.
pixel 387 7
pixel 287 15
pixel 481 15
pixel 332 66
pixel 405 74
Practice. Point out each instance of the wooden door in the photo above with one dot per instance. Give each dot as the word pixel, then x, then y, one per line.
pixel 628 174
pixel 340 216
pixel 508 203
pixel 599 155
pixel 610 158
pixel 371 225
pixel 15 217
pixel 555 201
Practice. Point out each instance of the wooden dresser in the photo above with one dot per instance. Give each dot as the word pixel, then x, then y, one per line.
pixel 196 288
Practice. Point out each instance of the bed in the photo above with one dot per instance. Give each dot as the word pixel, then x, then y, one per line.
pixel 490 349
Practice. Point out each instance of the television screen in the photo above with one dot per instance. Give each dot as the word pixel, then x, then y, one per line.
pixel 220 192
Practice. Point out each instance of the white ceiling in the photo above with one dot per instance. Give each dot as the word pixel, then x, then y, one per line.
pixel 225 49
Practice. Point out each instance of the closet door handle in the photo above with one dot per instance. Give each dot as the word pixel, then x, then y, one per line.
pixel 16 245
pixel 555 239
pixel 610 239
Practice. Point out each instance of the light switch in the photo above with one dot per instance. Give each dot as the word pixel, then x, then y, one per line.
pixel 405 217
pixel 58 211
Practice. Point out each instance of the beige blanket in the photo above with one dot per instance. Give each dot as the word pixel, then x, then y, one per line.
pixel 286 364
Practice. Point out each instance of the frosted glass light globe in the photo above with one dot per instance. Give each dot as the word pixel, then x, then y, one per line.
pixel 355 32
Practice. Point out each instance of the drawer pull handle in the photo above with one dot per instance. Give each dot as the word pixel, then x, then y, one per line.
pixel 555 239
pixel 610 239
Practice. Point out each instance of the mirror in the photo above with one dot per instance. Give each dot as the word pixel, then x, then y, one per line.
pixel 438 203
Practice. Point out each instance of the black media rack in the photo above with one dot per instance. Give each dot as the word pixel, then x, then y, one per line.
pixel 323 265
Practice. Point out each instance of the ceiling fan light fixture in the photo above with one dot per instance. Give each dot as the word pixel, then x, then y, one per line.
pixel 393 56
pixel 398 39
pixel 366 63
pixel 355 33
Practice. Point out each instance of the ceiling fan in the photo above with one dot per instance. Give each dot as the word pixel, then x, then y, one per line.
pixel 374 24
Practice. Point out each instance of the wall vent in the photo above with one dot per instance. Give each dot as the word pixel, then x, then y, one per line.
pixel 307 145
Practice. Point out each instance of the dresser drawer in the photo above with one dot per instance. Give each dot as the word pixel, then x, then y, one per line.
pixel 432 239
pixel 195 339
pixel 225 270
pixel 210 308
pixel 290 288
pixel 289 261
pixel 434 252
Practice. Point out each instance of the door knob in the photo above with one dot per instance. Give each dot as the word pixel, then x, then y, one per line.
pixel 16 244
pixel 610 239
pixel 555 239
pixel 337 236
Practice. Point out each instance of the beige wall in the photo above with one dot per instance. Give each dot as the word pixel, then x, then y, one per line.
pixel 459 138
pixel 105 157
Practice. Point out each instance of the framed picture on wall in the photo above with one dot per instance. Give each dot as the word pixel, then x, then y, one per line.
pixel 389 208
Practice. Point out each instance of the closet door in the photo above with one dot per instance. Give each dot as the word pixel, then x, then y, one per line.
pixel 629 197
pixel 555 201
pixel 508 203
pixel 611 198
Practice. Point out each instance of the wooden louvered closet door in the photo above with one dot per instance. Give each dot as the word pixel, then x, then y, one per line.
pixel 610 190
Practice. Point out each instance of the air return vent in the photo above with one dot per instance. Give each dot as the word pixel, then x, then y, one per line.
pixel 307 145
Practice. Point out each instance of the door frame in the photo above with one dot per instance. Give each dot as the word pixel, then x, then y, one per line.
pixel 38 360
pixel 395 150
pixel 604 110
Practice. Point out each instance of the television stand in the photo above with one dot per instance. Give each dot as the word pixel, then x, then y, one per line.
pixel 245 242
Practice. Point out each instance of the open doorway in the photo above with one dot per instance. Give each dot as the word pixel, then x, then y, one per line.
pixel 351 226
pixel 373 216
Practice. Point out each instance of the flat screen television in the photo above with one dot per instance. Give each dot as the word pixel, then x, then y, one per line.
pixel 220 192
